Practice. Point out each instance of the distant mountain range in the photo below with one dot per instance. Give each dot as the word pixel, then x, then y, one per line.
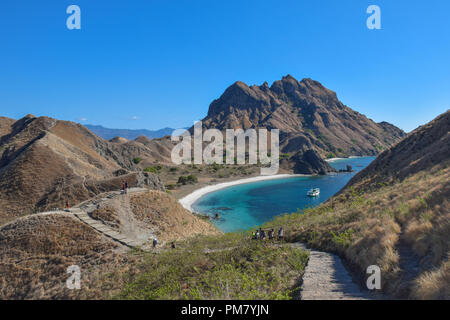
pixel 129 134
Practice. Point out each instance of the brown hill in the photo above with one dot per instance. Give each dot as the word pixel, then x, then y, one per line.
pixel 308 115
pixel 36 250
pixel 424 148
pixel 45 162
pixel 150 151
pixel 5 125
pixel 118 140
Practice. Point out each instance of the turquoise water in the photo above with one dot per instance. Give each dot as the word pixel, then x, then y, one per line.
pixel 244 206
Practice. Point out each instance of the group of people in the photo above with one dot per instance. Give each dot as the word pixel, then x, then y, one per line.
pixel 261 234
pixel 124 187
pixel 155 243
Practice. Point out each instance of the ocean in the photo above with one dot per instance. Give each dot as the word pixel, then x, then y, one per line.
pixel 245 206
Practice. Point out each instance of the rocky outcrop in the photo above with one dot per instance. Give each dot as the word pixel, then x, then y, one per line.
pixel 310 162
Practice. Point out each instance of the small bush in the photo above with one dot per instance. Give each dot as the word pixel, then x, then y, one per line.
pixel 190 179
pixel 156 169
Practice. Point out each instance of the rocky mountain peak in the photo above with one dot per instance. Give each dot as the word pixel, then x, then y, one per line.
pixel 306 113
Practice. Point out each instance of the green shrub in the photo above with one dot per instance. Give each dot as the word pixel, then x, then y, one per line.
pixel 234 268
pixel 155 169
pixel 137 160
pixel 190 179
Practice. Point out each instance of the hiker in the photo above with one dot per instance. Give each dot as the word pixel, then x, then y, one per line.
pixel 123 186
pixel 280 233
pixel 67 204
pixel 155 242
pixel 262 234
pixel 253 234
pixel 271 234
pixel 256 235
pixel 173 245
pixel 216 216
pixel 126 187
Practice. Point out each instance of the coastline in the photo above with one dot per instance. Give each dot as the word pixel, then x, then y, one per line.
pixel 188 200
pixel 351 157
pixel 191 198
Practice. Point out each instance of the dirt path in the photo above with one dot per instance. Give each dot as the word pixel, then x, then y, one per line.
pixel 132 237
pixel 409 266
pixel 326 278
pixel 82 211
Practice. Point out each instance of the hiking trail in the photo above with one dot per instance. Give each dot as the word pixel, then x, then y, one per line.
pixel 326 278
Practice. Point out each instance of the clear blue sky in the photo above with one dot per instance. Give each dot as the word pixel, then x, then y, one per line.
pixel 156 63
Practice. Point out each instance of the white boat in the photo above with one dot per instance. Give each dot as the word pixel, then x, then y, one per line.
pixel 313 192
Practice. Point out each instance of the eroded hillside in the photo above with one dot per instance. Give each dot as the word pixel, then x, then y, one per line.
pixel 45 162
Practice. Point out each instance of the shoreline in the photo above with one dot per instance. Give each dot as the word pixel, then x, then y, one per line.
pixel 351 157
pixel 190 199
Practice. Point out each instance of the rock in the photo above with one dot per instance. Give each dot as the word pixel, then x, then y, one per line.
pixel 120 172
pixel 149 180
pixel 310 162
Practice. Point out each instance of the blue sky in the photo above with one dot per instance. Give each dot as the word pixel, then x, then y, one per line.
pixel 157 63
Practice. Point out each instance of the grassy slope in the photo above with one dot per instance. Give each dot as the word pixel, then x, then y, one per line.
pixel 35 254
pixel 396 226
pixel 227 267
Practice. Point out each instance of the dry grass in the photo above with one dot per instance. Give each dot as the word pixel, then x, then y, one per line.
pixel 434 284
pixel 37 251
pixel 106 215
pixel 169 220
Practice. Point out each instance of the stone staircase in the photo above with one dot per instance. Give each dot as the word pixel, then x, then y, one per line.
pixel 82 213
pixel 105 230
pixel 326 278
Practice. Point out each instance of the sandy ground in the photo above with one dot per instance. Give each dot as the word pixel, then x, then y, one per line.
pixel 190 198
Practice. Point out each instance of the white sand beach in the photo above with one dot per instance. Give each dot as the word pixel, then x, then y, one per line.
pixel 335 159
pixel 189 200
